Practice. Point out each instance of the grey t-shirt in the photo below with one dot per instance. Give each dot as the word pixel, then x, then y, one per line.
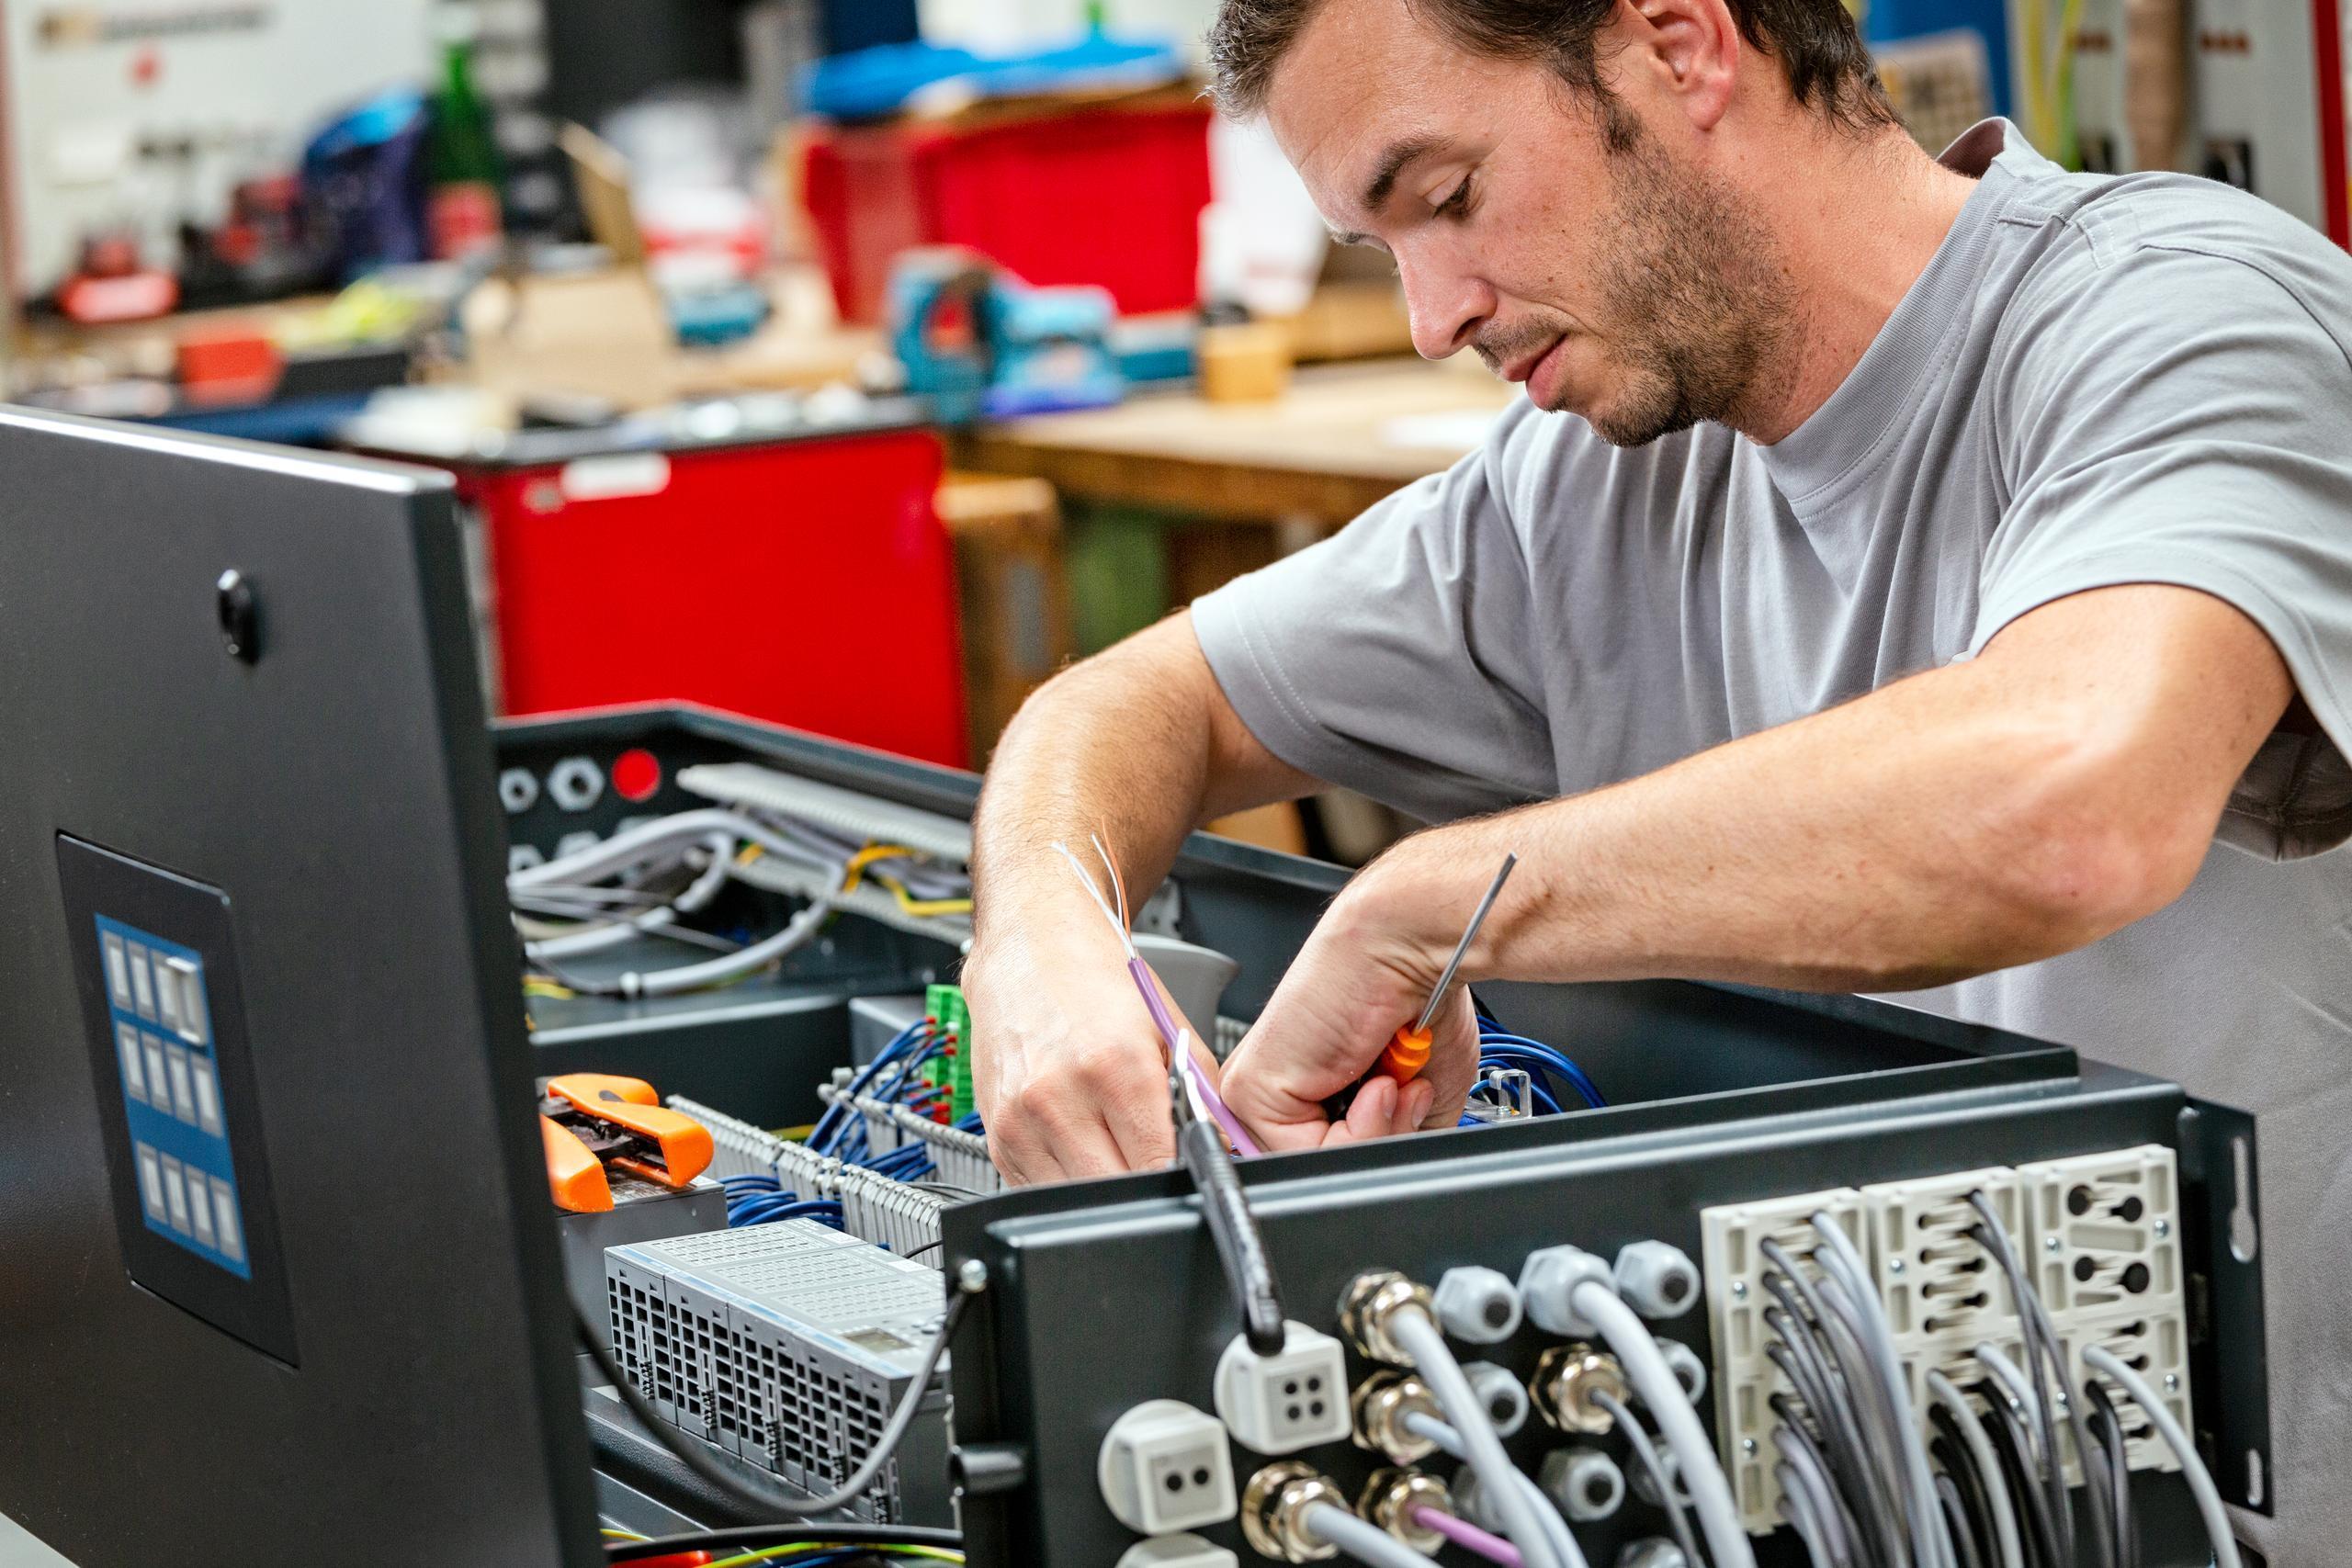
pixel 2096 381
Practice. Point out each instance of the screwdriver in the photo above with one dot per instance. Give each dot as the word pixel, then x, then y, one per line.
pixel 1408 1053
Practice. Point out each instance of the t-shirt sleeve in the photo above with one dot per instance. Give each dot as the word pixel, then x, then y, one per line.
pixel 2185 422
pixel 1394 657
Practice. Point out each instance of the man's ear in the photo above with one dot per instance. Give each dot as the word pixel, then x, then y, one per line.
pixel 1686 52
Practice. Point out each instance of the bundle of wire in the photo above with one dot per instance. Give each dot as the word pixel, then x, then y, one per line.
pixel 647 881
pixel 1867 1485
pixel 1501 1052
pixel 809 1546
pixel 762 1199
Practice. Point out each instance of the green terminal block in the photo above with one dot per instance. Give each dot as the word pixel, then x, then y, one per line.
pixel 943 1005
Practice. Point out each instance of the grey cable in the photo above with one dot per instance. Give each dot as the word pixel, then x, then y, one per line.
pixel 1660 1390
pixel 1797 1507
pixel 1838 1530
pixel 710 972
pixel 2039 1338
pixel 1931 1540
pixel 2100 1358
pixel 1364 1542
pixel 694 897
pixel 1677 1517
pixel 1419 1339
pixel 1556 1528
pixel 1837 1357
pixel 1944 1392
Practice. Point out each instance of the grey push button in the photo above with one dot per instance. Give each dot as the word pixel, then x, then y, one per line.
pixel 175 1194
pixel 183 1088
pixel 207 1094
pixel 187 978
pixel 159 1080
pixel 118 972
pixel 134 1071
pixel 142 984
pixel 224 1213
pixel 151 1185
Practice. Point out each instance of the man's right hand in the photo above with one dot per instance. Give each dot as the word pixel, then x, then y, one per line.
pixel 1066 1065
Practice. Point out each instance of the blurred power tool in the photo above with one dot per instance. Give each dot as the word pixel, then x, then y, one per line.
pixel 976 341
pixel 590 1120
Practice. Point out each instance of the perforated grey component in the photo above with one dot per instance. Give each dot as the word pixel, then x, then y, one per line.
pixel 788 1345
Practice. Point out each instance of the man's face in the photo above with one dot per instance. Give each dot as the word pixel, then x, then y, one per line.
pixel 1567 244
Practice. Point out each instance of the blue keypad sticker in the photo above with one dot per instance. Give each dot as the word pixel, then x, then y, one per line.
pixel 162 1023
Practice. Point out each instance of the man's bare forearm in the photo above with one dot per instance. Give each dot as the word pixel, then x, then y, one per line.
pixel 1136 745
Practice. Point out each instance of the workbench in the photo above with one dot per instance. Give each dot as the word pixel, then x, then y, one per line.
pixel 1345 437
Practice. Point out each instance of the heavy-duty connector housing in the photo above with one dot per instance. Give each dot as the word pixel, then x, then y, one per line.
pixel 1390 1498
pixel 1370 1302
pixel 1273 1512
pixel 1164 1466
pixel 1378 1410
pixel 1292 1400
pixel 1566 1377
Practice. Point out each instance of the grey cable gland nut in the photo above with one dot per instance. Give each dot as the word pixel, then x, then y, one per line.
pixel 1583 1483
pixel 1684 1363
pixel 1477 1306
pixel 1656 1279
pixel 1502 1396
pixel 1656 1552
pixel 1549 1278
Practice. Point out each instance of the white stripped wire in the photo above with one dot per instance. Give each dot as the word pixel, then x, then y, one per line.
pixel 1086 879
pixel 2100 1358
pixel 1655 1381
pixel 1419 1339
pixel 1944 1392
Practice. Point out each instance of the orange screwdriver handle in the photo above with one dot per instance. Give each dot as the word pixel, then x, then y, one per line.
pixel 1406 1055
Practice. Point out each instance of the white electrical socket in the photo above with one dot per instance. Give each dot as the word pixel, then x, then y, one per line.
pixel 1176 1552
pixel 1291 1400
pixel 1164 1466
pixel 1935 1280
pixel 2108 1232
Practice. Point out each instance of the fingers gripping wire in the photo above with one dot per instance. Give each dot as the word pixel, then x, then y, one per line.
pixel 1224 1208
pixel 1147 984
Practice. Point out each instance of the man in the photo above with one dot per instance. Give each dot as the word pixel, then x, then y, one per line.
pixel 1902 574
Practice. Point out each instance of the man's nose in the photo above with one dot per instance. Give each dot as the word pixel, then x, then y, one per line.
pixel 1446 307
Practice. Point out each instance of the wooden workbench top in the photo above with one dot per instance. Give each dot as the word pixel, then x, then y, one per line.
pixel 1342 438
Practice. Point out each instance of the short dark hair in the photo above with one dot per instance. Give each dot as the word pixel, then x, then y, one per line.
pixel 1815 42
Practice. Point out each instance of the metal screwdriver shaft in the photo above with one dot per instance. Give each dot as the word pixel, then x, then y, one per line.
pixel 1408 1053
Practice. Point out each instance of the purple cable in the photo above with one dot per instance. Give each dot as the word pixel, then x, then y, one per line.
pixel 1172 1037
pixel 1468 1536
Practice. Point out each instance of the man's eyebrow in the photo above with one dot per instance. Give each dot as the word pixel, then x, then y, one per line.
pixel 1393 163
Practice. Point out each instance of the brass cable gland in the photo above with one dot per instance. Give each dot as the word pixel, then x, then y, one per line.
pixel 1566 1377
pixel 1379 1406
pixel 1390 1498
pixel 1370 1302
pixel 1273 1512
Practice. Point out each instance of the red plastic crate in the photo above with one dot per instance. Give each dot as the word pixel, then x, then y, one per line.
pixel 1105 195
pixel 808 582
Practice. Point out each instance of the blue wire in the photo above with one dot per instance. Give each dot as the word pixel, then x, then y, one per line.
pixel 828 1131
pixel 770 1211
pixel 1497 1043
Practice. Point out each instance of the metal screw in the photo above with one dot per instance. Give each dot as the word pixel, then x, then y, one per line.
pixel 1739 1289
pixel 1748 1447
pixel 2052 1245
pixel 2172 1382
pixel 972 1277
pixel 2162 1229
pixel 1894 1265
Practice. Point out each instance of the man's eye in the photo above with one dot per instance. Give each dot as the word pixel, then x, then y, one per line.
pixel 1458 203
